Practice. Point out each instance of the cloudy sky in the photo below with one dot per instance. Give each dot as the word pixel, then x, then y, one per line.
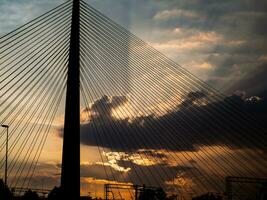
pixel 222 42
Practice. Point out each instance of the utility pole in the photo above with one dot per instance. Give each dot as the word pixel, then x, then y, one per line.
pixel 6 163
pixel 70 174
pixel 106 192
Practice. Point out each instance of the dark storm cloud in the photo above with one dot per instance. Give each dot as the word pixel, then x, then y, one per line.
pixel 191 97
pixel 104 106
pixel 191 125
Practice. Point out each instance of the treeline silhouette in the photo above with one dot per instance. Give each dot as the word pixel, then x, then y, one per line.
pixel 208 196
pixel 7 194
pixel 148 194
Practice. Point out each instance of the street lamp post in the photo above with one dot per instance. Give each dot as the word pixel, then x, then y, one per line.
pixel 6 126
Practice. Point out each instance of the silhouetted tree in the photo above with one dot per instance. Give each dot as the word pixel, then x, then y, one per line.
pixel 30 195
pixel 263 192
pixel 4 191
pixel 172 197
pixel 147 194
pixel 89 198
pixel 160 194
pixel 151 194
pixel 55 194
pixel 208 196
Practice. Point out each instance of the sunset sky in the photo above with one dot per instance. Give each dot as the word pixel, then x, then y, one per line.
pixel 221 42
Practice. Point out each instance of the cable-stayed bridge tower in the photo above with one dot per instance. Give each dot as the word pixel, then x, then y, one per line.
pixel 70 174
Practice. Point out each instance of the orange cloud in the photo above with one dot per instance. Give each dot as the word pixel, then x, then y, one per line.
pixel 205 65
